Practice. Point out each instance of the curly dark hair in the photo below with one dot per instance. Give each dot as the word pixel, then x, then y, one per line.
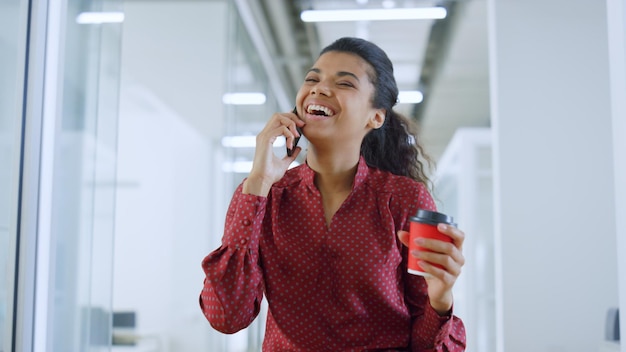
pixel 395 146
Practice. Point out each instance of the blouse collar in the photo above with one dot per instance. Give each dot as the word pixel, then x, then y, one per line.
pixel 308 175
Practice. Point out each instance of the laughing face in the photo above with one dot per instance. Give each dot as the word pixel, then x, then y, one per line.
pixel 335 100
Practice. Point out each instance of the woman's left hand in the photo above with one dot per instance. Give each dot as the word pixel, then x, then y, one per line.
pixel 448 255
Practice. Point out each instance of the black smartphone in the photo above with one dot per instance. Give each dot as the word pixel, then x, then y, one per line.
pixel 295 141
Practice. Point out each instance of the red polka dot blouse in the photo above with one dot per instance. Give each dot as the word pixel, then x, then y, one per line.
pixel 342 287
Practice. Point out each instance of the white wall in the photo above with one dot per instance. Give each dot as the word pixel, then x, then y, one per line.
pixel 463 189
pixel 554 190
pixel 173 61
pixel 617 50
pixel 178 50
pixel 161 221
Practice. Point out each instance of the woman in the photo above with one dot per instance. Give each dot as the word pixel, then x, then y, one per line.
pixel 325 242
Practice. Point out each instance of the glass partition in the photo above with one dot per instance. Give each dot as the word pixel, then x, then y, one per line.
pixel 175 172
pixel 170 185
pixel 12 57
pixel 83 185
pixel 245 119
pixel 245 74
pixel 463 189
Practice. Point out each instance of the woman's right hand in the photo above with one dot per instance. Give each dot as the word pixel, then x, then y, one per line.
pixel 267 168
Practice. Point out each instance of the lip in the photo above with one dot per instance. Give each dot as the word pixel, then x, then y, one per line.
pixel 311 117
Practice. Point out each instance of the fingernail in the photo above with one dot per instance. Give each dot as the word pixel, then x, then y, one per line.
pixel 443 227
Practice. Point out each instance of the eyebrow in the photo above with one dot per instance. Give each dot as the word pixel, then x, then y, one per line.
pixel 340 73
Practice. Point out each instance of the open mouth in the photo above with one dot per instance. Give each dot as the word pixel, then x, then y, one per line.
pixel 319 110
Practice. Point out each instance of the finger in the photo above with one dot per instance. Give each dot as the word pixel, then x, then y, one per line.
pixel 292 120
pixel 279 128
pixel 449 263
pixel 438 247
pixel 293 127
pixel 297 133
pixel 296 118
pixel 289 128
pixel 441 274
pixel 291 137
pixel 458 236
pixel 404 237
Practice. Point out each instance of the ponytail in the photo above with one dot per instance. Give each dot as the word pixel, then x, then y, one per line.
pixel 395 147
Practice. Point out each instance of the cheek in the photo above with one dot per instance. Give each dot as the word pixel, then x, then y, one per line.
pixel 361 108
pixel 300 96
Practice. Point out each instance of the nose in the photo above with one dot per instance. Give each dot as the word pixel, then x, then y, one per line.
pixel 321 88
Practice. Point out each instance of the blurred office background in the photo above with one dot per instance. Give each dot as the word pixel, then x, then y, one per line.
pixel 123 135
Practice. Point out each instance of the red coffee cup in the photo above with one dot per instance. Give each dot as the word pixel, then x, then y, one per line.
pixel 424 224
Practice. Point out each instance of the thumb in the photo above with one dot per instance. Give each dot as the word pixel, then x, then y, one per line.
pixel 404 237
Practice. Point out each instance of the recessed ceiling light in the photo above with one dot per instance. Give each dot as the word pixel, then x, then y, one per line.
pixel 389 4
pixel 410 97
pixel 418 13
pixel 244 166
pixel 246 142
pixel 100 17
pixel 243 98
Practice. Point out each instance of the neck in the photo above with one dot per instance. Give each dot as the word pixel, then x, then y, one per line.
pixel 333 172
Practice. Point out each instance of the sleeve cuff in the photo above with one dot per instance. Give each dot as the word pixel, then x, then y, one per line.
pixel 243 220
pixel 440 323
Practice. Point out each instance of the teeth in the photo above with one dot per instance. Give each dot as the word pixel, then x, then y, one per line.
pixel 324 109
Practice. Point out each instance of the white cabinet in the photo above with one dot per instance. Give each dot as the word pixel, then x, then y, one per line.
pixel 463 189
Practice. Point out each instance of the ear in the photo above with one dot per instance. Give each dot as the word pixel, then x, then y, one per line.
pixel 378 119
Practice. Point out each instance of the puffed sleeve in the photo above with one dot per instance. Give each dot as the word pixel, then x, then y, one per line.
pixel 429 330
pixel 233 286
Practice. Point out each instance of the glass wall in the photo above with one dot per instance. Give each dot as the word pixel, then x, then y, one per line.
pixel 176 170
pixel 463 189
pixel 57 141
pixel 58 129
pixel 170 196
pixel 13 22
pixel 83 184
pixel 245 74
pixel 244 121
pixel 121 212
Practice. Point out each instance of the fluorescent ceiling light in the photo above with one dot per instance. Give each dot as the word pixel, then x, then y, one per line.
pixel 247 142
pixel 410 97
pixel 245 166
pixel 243 98
pixel 418 13
pixel 100 17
